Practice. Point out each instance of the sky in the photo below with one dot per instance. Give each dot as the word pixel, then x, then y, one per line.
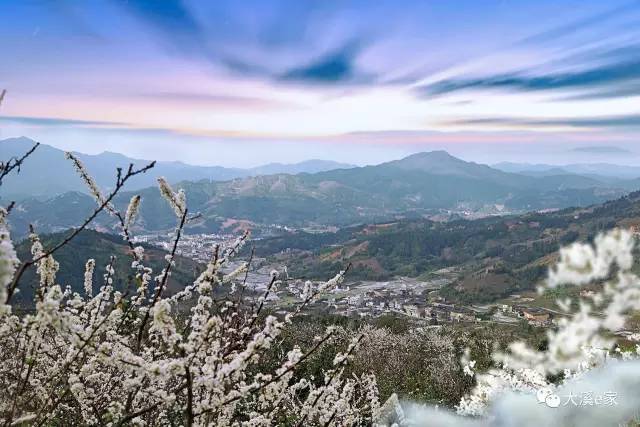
pixel 243 83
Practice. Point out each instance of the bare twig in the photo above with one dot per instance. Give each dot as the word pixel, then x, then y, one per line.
pixel 13 163
pixel 119 184
pixel 163 281
pixel 331 378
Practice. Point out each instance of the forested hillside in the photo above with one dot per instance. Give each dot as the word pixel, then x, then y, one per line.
pixel 91 244
pixel 498 255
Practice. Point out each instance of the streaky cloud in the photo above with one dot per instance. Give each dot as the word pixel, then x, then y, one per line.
pixel 167 15
pixel 626 91
pixel 216 100
pixel 599 76
pixel 582 24
pixel 52 121
pixel 229 40
pixel 631 121
pixel 601 149
pixel 337 66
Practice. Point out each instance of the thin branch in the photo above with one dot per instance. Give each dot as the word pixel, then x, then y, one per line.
pixel 277 377
pixel 120 183
pixel 331 378
pixel 12 163
pixel 189 409
pixel 165 276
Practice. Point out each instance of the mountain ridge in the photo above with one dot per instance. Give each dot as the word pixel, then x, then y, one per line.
pixel 47 173
pixel 423 184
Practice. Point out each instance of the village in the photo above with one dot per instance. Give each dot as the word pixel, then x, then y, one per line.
pixel 419 301
pixel 414 299
pixel 195 246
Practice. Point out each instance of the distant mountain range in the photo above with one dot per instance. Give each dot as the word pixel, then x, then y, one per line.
pixel 48 173
pixel 423 184
pixel 602 171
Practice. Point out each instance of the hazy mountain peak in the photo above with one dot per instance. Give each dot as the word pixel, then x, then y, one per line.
pixel 440 162
pixel 18 140
pixel 110 154
pixel 421 158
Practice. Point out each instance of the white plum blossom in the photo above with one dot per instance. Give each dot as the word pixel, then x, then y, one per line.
pixel 8 262
pixel 88 277
pixel 116 357
pixel 89 181
pixel 132 211
pixel 47 266
pixel 583 340
pixel 468 368
pixel 582 263
pixel 177 201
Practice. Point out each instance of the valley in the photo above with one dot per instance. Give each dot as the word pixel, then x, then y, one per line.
pixel 429 237
pixel 428 272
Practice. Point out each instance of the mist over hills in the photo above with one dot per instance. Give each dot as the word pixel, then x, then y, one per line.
pixel 306 166
pixel 47 173
pixel 602 171
pixel 420 185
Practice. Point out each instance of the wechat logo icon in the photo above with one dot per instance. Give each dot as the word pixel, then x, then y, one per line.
pixel 548 397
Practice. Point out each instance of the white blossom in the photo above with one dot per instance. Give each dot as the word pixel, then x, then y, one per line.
pixel 89 181
pixel 177 201
pixel 8 262
pixel 132 211
pixel 88 277
pixel 582 341
pixel 110 357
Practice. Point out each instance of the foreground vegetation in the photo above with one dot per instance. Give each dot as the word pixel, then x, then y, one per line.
pixel 134 355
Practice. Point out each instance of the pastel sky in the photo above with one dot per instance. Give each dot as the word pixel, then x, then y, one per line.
pixel 241 83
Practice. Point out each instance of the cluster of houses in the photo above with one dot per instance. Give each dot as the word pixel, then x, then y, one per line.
pixel 533 315
pixel 195 246
pixel 635 229
pixel 438 312
pixel 418 303
pixel 373 303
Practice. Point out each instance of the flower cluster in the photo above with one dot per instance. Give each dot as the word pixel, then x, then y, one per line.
pixel 583 339
pixel 177 201
pixel 8 262
pixel 146 358
pixel 90 182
